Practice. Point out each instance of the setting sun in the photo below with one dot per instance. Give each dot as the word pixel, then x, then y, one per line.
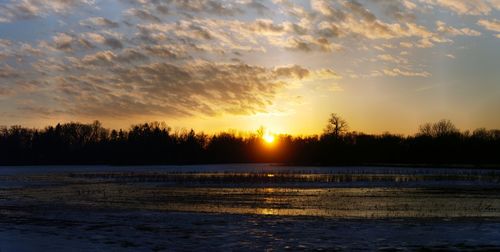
pixel 268 138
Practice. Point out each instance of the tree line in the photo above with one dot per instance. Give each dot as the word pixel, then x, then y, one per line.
pixel 439 143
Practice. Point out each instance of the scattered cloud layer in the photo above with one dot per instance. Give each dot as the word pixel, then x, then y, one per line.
pixel 188 58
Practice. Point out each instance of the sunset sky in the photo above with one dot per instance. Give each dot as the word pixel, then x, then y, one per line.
pixel 384 65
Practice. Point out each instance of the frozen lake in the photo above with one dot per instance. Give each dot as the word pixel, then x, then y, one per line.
pixel 247 207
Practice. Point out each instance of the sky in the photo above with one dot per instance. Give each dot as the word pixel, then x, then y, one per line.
pixel 383 65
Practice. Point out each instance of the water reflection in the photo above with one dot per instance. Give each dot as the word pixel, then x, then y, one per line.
pixel 331 202
pixel 293 194
pixel 268 211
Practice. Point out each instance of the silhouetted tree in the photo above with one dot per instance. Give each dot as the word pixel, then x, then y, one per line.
pixel 437 143
pixel 336 125
pixel 439 129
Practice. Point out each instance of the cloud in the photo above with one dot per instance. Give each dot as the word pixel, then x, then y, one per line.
pixel 102 58
pixel 221 8
pixel 406 44
pixel 70 43
pixel 289 71
pixel 98 38
pixel 408 4
pixel 350 18
pixel 106 86
pixel 464 7
pixel 326 8
pixel 60 5
pixel 495 4
pixel 324 74
pixel 5 92
pixel 67 43
pixel 449 30
pixel 8 72
pixel 29 50
pixel 208 35
pixel 63 41
pixel 5 43
pixel 305 43
pixel 26 9
pixel 197 87
pixel 314 31
pixel 492 25
pixel 258 5
pixel 99 22
pixel 167 51
pixel 406 73
pixel 398 10
pixel 266 27
pixel 108 41
pixel 380 30
pixel 393 59
pixel 109 58
pixel 143 15
pixel 360 11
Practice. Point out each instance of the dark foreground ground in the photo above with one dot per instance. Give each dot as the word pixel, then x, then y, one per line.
pixel 248 207
pixel 104 230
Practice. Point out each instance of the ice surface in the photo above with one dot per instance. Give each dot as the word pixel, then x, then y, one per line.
pixel 247 207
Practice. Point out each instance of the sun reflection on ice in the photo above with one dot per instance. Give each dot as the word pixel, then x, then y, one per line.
pixel 268 211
